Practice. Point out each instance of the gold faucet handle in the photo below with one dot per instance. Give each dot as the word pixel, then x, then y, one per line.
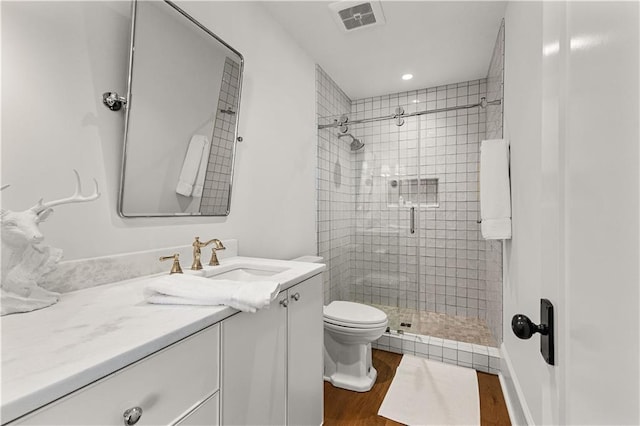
pixel 214 257
pixel 175 268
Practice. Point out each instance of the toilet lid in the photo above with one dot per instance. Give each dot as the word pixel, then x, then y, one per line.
pixel 341 312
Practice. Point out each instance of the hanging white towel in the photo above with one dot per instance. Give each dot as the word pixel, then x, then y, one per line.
pixel 495 195
pixel 191 165
pixel 202 171
pixel 183 289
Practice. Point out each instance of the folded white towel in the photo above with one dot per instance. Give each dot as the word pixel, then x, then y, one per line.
pixel 191 165
pixel 183 289
pixel 495 195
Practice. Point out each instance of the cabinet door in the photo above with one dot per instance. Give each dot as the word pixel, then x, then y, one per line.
pixel 253 384
pixel 306 334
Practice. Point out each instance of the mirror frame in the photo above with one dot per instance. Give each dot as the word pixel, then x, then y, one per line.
pixel 121 213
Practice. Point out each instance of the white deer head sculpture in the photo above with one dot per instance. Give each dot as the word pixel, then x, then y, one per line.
pixel 25 261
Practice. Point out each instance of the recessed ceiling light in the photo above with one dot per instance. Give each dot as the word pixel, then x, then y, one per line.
pixel 407 76
pixel 416 101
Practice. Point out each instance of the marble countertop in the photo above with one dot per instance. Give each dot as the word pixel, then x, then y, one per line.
pixel 91 333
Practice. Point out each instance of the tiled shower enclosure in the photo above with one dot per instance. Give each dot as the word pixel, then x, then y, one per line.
pixel 398 220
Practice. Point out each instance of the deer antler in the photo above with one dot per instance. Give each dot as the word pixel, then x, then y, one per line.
pixel 77 197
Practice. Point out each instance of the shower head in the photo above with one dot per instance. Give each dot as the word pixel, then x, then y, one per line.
pixel 356 144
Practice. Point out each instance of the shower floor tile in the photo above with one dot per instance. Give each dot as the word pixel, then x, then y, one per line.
pixel 462 329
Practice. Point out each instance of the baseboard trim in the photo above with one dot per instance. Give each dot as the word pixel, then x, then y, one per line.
pixel 507 399
pixel 517 407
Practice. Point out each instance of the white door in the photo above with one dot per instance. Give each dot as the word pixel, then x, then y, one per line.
pixel 571 113
pixel 598 220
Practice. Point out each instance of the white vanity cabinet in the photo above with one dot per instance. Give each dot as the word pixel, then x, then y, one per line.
pixel 272 361
pixel 177 385
pixel 103 351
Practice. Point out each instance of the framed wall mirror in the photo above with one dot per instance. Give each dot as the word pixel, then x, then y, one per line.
pixel 182 111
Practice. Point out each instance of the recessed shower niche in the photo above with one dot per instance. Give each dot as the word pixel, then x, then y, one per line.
pixel 419 192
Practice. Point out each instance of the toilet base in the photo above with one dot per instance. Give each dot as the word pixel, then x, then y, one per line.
pixel 357 384
pixel 347 365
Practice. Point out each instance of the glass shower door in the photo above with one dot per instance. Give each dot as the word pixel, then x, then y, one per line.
pixel 386 217
pixel 451 249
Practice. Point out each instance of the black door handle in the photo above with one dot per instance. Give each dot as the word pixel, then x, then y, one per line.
pixel 524 328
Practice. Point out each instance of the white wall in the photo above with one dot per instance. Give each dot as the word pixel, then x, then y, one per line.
pixel 522 127
pixel 57 60
pixel 571 113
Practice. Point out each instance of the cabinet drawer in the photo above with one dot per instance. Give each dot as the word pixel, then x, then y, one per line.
pixel 206 414
pixel 165 385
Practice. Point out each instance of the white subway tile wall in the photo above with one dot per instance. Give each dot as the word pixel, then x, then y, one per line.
pixel 495 79
pixel 493 252
pixel 441 266
pixel 478 357
pixel 335 195
pixel 215 194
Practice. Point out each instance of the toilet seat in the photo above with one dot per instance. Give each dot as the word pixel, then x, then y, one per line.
pixel 354 315
pixel 355 326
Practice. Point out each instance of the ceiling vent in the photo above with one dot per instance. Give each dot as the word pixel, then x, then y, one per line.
pixel 352 15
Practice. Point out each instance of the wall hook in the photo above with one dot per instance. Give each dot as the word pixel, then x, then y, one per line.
pixel 113 100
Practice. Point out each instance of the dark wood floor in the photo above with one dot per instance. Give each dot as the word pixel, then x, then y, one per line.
pixel 343 407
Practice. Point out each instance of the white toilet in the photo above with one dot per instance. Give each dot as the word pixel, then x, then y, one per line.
pixel 349 329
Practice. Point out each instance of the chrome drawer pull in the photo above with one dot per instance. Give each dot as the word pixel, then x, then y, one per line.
pixel 296 297
pixel 284 302
pixel 132 415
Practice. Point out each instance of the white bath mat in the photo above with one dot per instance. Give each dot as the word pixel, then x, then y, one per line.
pixel 425 392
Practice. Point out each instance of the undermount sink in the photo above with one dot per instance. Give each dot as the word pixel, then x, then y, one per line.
pixel 246 273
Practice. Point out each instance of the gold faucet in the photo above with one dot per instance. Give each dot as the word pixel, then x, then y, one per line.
pixel 197 245
pixel 214 257
pixel 175 268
